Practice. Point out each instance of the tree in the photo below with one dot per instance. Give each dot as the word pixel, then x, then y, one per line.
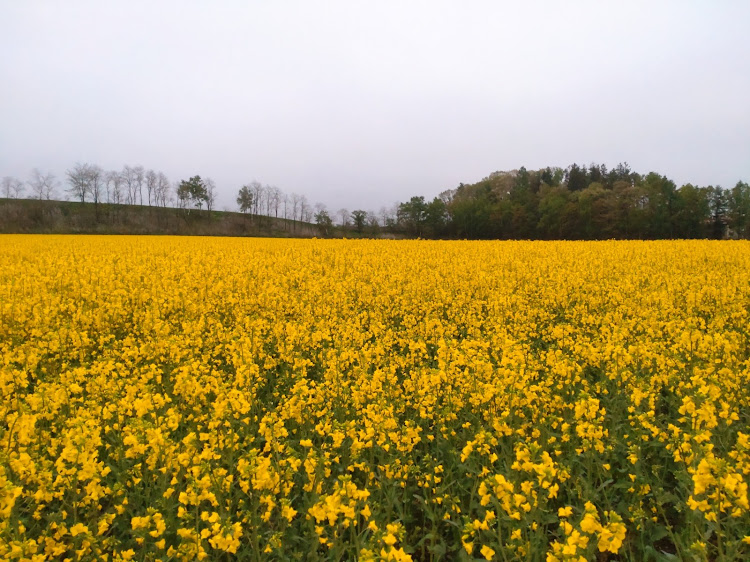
pixel 163 188
pixel 739 209
pixel 139 176
pixel 295 204
pixel 245 199
pixel 372 222
pixel 413 214
pixel 210 187
pixel 114 187
pixel 344 215
pixel 12 187
pixel 78 180
pixel 577 178
pixel 275 195
pixel 43 185
pixel 151 182
pixel 717 204
pixel 692 213
pixel 130 183
pixel 87 179
pixel 192 191
pixel 269 199
pixel 436 215
pixel 305 210
pixel 257 189
pixel 661 194
pixel 324 222
pixel 360 218
pixel 385 215
pixel 96 181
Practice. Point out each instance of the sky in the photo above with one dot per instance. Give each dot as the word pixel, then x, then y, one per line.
pixel 362 104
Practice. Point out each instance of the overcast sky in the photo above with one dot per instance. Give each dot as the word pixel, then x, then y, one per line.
pixel 360 104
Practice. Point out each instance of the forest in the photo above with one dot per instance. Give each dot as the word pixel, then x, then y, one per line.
pixel 579 203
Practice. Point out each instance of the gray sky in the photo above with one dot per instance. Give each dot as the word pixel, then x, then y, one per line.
pixel 360 104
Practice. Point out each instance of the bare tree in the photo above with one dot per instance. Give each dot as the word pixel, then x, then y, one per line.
pixel 372 221
pixel 130 184
pixel 7 180
pixel 210 186
pixel 151 181
pixel 162 189
pixel 344 214
pixel 305 210
pixel 276 196
pixel 114 187
pixel 384 214
pixel 96 182
pixel 78 180
pixel 87 179
pixel 295 199
pixel 12 187
pixel 257 189
pixel 43 186
pixel 139 176
pixel 269 199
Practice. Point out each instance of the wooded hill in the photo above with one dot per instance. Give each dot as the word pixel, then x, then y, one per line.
pixel 581 203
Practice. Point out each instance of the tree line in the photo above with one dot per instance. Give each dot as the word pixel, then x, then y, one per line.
pixel 577 202
pixel 582 203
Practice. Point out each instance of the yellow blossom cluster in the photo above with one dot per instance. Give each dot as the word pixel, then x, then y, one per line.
pixel 206 398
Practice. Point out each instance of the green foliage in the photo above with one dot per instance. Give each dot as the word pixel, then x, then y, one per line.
pixel 581 203
pixel 324 222
pixel 192 191
pixel 359 217
pixel 245 199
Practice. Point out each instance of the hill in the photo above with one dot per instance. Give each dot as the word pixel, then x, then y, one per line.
pixel 32 216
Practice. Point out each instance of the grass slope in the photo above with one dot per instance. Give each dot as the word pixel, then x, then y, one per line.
pixel 30 216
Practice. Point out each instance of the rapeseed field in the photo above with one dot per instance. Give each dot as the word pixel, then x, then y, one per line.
pixel 196 398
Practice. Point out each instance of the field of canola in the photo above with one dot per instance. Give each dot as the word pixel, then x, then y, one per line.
pixel 192 398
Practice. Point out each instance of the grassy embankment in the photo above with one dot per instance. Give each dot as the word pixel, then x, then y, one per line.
pixel 30 216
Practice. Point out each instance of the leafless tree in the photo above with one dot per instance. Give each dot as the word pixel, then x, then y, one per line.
pixel 305 210
pixel 344 214
pixel 130 184
pixel 78 180
pixel 139 176
pixel 12 187
pixel 87 179
pixel 210 193
pixel 372 221
pixel 96 182
pixel 151 182
pixel 43 186
pixel 276 196
pixel 384 214
pixel 162 189
pixel 295 200
pixel 269 200
pixel 114 187
pixel 257 189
